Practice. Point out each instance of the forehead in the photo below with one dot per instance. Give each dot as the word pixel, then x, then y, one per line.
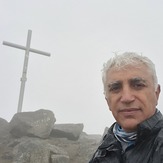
pixel 128 72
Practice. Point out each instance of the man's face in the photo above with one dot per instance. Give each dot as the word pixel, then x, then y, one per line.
pixel 131 95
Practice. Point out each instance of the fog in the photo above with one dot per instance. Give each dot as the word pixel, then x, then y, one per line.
pixel 81 36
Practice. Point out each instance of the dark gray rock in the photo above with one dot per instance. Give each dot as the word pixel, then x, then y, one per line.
pixel 39 123
pixel 69 131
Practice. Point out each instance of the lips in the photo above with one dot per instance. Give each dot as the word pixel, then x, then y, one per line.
pixel 129 111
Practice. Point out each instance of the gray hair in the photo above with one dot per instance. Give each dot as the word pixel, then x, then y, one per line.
pixel 128 58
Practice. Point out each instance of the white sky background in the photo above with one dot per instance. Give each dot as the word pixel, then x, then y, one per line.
pixel 80 35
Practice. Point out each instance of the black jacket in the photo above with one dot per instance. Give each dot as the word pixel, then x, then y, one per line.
pixel 148 147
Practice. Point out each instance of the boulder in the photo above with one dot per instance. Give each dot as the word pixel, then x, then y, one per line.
pixel 59 159
pixel 69 131
pixel 4 129
pixel 39 123
pixel 81 150
pixel 34 150
pixel 67 143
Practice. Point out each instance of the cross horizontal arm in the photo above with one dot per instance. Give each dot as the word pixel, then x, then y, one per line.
pixel 24 48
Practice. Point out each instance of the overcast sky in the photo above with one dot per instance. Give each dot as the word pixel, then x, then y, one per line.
pixel 80 35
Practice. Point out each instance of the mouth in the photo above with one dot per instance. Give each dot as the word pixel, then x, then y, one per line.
pixel 130 111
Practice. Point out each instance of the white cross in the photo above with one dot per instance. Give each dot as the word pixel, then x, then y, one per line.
pixel 24 78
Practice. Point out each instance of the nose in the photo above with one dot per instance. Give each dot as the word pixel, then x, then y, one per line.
pixel 127 95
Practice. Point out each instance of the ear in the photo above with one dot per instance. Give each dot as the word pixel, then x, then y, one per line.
pixel 158 90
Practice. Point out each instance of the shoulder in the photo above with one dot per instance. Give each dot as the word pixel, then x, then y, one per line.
pixel 157 154
pixel 159 138
pixel 108 140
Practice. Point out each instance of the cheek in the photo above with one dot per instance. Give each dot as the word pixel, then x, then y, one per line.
pixel 110 102
pixel 151 98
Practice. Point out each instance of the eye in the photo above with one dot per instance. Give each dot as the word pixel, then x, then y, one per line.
pixel 114 87
pixel 138 83
pixel 138 86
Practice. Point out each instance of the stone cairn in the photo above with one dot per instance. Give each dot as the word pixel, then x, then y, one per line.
pixel 34 137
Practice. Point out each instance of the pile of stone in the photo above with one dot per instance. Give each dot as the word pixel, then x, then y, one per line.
pixel 34 137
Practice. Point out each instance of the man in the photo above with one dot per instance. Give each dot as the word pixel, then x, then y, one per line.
pixel 131 91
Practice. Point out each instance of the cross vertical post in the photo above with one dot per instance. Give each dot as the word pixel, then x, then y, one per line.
pixel 24 74
pixel 25 66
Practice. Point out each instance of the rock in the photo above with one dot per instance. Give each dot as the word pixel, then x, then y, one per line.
pixel 59 159
pixel 79 151
pixel 69 131
pixel 39 123
pixel 67 143
pixel 4 129
pixel 34 150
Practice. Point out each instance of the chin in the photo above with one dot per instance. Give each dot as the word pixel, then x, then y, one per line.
pixel 130 127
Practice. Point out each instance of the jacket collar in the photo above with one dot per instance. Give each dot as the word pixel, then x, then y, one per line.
pixel 109 140
pixel 144 129
pixel 150 125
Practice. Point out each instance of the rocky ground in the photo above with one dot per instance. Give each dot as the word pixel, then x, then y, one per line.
pixel 35 138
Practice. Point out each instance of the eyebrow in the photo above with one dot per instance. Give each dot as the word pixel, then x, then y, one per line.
pixel 138 79
pixel 113 83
